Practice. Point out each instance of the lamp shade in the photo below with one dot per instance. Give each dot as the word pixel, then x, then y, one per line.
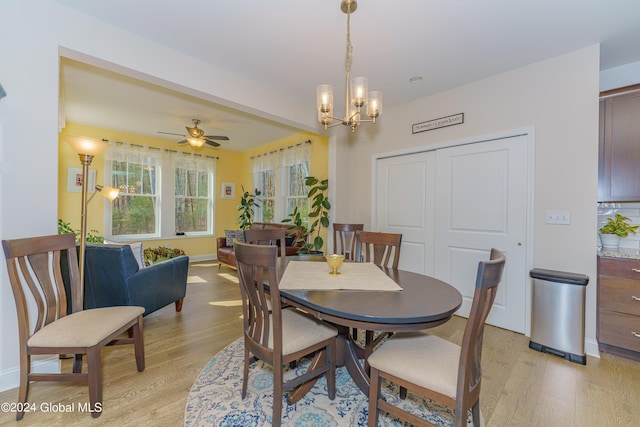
pixel 374 106
pixel 85 145
pixel 108 192
pixel 359 91
pixel 196 142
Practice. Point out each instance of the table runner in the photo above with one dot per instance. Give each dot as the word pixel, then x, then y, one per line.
pixel 310 275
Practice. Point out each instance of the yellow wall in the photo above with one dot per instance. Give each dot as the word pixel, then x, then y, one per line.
pixel 231 167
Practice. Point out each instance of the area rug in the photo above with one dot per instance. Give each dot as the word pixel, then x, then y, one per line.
pixel 215 398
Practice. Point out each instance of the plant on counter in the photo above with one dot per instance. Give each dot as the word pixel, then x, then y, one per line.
pixel 619 226
pixel 247 203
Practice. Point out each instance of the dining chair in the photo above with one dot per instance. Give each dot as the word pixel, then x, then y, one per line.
pixel 267 236
pixel 344 239
pixel 277 335
pixel 35 273
pixel 382 249
pixel 434 367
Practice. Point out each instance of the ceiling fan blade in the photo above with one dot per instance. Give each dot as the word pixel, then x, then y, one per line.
pixel 184 141
pixel 221 138
pixel 212 143
pixel 169 133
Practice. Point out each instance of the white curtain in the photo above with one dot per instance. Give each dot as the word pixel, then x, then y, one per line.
pixel 294 155
pixel 191 161
pixel 131 153
pixel 151 156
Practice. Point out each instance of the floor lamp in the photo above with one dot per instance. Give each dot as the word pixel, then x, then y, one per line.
pixel 87 149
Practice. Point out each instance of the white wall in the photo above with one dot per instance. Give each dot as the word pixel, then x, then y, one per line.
pixel 559 99
pixel 32 33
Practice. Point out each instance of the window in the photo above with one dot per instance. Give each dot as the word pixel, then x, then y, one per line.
pixel 266 184
pixel 162 193
pixel 192 200
pixel 297 191
pixel 280 177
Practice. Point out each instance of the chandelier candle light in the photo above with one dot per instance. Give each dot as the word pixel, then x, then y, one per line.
pixel 356 90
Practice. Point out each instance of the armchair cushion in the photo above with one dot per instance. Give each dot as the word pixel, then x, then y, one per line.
pixel 227 256
pixel 113 278
pixel 136 248
pixel 233 234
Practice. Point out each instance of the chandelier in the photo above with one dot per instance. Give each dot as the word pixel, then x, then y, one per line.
pixel 356 90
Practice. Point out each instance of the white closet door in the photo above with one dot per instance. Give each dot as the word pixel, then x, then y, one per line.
pixel 405 204
pixel 482 194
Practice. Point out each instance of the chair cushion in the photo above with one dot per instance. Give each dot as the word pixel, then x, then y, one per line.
pixel 84 328
pixel 420 358
pixel 233 234
pixel 300 331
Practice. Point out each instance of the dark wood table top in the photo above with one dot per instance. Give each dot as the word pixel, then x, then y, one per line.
pixel 423 302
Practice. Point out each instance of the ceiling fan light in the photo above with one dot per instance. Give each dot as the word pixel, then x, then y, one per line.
pixel 196 142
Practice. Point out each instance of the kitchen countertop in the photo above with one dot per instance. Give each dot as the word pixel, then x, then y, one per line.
pixel 622 253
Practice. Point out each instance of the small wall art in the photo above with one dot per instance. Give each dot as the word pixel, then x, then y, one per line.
pixel 74 180
pixel 228 190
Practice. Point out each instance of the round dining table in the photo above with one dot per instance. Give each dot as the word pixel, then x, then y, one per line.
pixel 424 302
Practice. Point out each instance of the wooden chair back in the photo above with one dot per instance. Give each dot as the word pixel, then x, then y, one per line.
pixel 344 239
pixel 257 266
pixel 267 236
pixel 380 248
pixel 35 274
pixel 469 371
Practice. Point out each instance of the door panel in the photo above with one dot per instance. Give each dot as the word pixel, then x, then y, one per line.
pixel 482 203
pixel 404 203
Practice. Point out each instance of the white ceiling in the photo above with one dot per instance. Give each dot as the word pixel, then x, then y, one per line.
pixel 293 46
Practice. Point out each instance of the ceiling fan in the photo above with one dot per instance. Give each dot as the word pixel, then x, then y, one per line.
pixel 196 137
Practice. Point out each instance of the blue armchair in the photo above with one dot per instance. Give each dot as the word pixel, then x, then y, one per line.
pixel 113 277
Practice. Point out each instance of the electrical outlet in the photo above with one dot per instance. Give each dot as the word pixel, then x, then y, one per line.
pixel 558 217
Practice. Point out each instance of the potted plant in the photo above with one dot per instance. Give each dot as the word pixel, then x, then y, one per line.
pixel 92 235
pixel 615 229
pixel 318 216
pixel 247 203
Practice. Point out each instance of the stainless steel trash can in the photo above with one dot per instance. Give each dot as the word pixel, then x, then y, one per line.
pixel 557 314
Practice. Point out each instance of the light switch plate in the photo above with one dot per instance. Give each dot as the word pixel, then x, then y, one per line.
pixel 558 217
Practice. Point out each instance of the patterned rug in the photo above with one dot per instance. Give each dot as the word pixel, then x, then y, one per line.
pixel 215 398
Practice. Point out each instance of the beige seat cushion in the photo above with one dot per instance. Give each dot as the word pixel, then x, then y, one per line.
pixel 300 331
pixel 85 328
pixel 420 358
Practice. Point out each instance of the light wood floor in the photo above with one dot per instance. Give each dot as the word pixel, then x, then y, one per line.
pixel 521 387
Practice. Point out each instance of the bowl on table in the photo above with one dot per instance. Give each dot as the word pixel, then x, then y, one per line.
pixel 335 261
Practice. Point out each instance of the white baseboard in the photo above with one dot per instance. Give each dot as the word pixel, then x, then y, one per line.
pixel 10 378
pixel 205 257
pixel 591 348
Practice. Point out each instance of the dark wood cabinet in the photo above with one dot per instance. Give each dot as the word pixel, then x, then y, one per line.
pixel 618 327
pixel 619 160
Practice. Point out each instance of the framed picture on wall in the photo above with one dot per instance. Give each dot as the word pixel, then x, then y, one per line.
pixel 228 190
pixel 74 180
